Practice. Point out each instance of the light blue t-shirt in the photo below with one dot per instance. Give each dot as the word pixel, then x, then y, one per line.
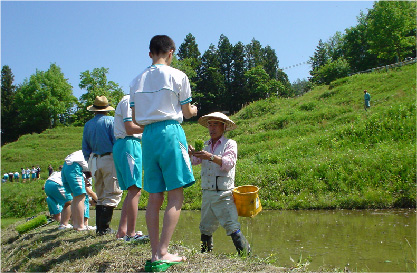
pixel 98 136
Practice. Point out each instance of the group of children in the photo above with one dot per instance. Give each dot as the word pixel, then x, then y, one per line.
pixel 29 174
pixel 160 97
pixel 59 195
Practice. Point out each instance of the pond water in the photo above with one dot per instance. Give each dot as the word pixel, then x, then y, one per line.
pixel 359 240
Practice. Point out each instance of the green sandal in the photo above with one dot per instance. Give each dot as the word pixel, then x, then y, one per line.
pixel 159 266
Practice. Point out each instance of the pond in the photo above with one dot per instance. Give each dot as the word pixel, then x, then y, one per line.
pixel 359 240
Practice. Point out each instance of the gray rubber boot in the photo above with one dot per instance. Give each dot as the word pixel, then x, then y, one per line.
pixel 206 243
pixel 241 244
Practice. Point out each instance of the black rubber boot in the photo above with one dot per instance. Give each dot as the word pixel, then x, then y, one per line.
pixel 105 220
pixel 241 244
pixel 206 243
pixel 99 212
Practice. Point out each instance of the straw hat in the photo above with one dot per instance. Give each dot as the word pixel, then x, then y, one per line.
pixel 100 104
pixel 230 125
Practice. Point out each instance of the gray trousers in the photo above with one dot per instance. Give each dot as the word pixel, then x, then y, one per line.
pixel 218 208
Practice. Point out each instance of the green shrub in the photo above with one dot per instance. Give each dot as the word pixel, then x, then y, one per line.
pixel 31 224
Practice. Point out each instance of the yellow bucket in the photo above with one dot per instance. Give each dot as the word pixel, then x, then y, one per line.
pixel 247 200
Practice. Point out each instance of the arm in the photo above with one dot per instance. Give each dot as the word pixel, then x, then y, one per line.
pixel 92 194
pixel 188 110
pixel 227 161
pixel 132 128
pixel 85 147
pixel 133 116
pixel 194 160
pixel 204 155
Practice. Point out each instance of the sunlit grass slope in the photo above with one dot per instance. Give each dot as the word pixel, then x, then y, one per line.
pixel 320 150
pixel 323 150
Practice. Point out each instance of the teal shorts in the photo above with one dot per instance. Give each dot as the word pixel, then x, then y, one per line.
pixel 57 196
pixel 72 178
pixel 127 156
pixel 166 163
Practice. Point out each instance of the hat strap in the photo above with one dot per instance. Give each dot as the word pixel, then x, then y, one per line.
pixel 100 107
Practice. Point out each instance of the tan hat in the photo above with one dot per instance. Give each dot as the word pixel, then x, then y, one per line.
pixel 230 125
pixel 100 104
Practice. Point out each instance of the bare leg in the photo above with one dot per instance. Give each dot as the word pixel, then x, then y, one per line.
pixel 121 231
pixel 127 223
pixel 57 217
pixel 133 195
pixel 152 220
pixel 66 214
pixel 171 217
pixel 77 210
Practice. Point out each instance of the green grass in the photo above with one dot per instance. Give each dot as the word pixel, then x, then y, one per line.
pixel 48 249
pixel 32 224
pixel 318 151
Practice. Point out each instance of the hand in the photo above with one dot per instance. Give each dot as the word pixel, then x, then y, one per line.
pixel 194 109
pixel 191 150
pixel 88 174
pixel 202 155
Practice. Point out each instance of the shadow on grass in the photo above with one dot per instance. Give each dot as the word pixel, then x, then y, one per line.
pixel 71 256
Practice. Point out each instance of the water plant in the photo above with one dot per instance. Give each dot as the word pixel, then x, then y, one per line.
pixel 199 145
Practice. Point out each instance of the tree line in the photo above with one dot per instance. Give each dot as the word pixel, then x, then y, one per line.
pixel 386 34
pixel 224 78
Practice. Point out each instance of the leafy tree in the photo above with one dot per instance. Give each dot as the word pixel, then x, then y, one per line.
pixel 285 90
pixel 331 71
pixel 254 54
pixel 238 92
pixel 44 100
pixel 189 50
pixel 225 52
pixel 9 119
pixel 211 82
pixel 391 28
pixel 270 62
pixel 320 57
pixel 301 87
pixel 260 85
pixel 189 59
pixel 186 66
pixel 96 84
pixel 356 49
pixel 335 46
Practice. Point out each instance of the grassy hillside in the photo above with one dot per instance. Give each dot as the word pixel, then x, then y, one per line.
pixel 321 150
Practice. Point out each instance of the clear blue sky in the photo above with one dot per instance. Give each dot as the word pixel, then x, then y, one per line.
pixel 80 36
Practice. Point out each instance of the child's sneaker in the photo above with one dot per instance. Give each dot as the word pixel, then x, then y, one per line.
pixel 62 227
pixel 143 239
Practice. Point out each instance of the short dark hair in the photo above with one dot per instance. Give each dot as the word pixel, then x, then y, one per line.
pixel 161 44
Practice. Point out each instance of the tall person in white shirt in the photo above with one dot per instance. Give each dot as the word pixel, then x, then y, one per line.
pixel 160 97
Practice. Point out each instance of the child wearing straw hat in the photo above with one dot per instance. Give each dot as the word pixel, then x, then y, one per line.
pixel 218 159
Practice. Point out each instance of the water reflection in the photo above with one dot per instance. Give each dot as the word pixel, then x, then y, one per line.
pixel 361 240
